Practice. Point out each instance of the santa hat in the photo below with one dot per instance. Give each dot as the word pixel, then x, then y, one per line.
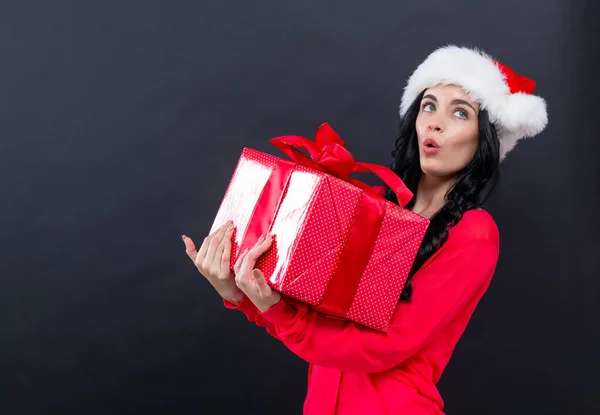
pixel 506 96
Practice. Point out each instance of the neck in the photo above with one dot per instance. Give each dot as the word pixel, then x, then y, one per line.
pixel 431 194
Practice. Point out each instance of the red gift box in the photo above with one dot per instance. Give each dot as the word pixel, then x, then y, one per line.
pixel 339 246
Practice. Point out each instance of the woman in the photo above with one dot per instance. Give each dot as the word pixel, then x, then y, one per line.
pixel 461 113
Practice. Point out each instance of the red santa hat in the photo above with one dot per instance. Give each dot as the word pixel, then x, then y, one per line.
pixel 507 96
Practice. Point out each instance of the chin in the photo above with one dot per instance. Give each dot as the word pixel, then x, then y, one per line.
pixel 435 168
pixel 431 167
pixel 433 173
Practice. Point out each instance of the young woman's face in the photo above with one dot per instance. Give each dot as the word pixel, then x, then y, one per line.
pixel 447 130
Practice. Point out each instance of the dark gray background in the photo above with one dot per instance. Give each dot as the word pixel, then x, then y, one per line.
pixel 121 123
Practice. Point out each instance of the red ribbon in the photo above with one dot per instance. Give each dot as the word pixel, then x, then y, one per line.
pixel 355 256
pixel 328 154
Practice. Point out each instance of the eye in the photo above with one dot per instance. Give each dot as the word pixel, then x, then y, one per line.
pixel 462 114
pixel 428 107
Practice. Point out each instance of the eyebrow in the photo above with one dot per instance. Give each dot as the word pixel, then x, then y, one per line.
pixel 454 102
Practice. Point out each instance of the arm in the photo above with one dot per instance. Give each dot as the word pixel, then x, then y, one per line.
pixel 447 286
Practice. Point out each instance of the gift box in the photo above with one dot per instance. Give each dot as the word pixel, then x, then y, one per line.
pixel 339 246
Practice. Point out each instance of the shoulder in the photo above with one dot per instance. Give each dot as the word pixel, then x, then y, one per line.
pixel 476 225
pixel 471 252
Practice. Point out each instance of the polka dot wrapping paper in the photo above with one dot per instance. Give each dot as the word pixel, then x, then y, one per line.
pixel 313 216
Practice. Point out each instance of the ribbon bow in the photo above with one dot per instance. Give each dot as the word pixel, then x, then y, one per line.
pixel 328 154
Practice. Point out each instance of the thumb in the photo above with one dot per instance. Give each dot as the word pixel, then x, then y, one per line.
pixel 261 282
pixel 190 248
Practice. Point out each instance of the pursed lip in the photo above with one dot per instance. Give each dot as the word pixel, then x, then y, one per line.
pixel 430 142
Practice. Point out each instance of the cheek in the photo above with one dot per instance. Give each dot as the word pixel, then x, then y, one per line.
pixel 472 139
pixel 466 142
pixel 420 125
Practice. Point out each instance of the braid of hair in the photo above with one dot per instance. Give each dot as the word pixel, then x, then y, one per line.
pixel 436 234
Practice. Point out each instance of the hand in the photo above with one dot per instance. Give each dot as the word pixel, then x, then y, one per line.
pixel 252 281
pixel 213 262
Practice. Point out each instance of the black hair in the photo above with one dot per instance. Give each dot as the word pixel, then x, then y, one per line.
pixel 472 187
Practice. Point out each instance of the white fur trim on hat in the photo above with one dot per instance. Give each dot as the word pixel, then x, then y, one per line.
pixel 516 115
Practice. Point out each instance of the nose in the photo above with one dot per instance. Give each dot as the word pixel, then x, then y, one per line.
pixel 434 126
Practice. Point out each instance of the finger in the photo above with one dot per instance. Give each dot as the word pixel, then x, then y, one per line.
pixel 264 288
pixel 202 253
pixel 242 277
pixel 221 245
pixel 205 244
pixel 249 262
pixel 226 255
pixel 214 244
pixel 268 240
pixel 190 248
pixel 240 260
pixel 259 241
pixel 238 263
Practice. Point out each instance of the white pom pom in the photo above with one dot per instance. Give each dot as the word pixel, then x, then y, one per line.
pixel 523 114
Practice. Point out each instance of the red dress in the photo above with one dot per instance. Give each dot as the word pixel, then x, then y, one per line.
pixel 356 370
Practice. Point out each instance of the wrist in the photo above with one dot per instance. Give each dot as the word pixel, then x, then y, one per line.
pixel 263 308
pixel 234 298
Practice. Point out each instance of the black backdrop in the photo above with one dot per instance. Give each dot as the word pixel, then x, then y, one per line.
pixel 121 123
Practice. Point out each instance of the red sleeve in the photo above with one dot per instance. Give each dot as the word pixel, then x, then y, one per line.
pixel 252 314
pixel 450 284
